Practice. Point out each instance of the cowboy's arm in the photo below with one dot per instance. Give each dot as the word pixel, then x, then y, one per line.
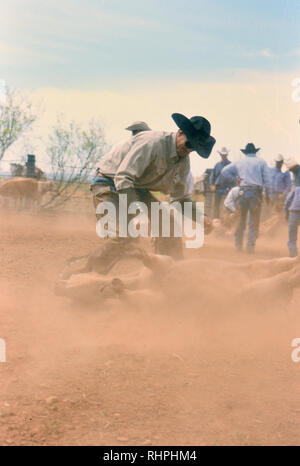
pixel 191 210
pixel 266 178
pixel 269 189
pixel 230 201
pixel 288 182
pixel 288 201
pixel 132 168
pixel 179 187
pixel 229 174
pixel 180 196
pixel 212 178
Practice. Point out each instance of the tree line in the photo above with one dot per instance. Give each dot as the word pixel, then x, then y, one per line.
pixel 72 150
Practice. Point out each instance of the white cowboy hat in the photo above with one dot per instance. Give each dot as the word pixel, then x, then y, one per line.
pixel 279 158
pixel 223 151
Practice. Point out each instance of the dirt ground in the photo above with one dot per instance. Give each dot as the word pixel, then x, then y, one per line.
pixel 145 376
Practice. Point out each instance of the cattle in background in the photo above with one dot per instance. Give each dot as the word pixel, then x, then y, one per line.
pixel 19 170
pixel 24 192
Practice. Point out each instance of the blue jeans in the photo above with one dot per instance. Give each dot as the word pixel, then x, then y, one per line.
pixel 218 203
pixel 294 222
pixel 103 191
pixel 220 195
pixel 250 204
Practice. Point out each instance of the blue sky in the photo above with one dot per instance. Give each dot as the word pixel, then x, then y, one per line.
pixel 93 44
pixel 232 61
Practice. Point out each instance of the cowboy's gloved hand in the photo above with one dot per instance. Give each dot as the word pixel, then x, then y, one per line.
pixel 213 189
pixel 208 226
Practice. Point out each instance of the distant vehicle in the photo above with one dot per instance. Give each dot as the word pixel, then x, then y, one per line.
pixel 19 170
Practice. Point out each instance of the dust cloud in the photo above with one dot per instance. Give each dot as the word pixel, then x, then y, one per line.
pixel 208 364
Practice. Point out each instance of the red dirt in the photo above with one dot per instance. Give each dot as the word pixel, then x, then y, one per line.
pixel 180 376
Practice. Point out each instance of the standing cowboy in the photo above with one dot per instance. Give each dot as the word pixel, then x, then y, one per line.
pixel 292 213
pixel 254 179
pixel 280 183
pixel 151 161
pixel 220 188
pixel 293 166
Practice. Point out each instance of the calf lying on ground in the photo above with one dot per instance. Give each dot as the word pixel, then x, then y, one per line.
pixel 201 281
pixel 129 280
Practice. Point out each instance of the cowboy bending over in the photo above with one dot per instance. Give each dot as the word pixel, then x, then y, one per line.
pixel 151 161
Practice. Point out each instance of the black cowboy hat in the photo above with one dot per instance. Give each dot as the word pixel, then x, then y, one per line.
pixel 250 149
pixel 197 131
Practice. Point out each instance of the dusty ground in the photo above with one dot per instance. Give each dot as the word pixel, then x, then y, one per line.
pixel 147 376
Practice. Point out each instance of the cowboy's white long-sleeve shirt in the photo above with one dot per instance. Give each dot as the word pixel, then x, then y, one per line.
pixel 142 162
